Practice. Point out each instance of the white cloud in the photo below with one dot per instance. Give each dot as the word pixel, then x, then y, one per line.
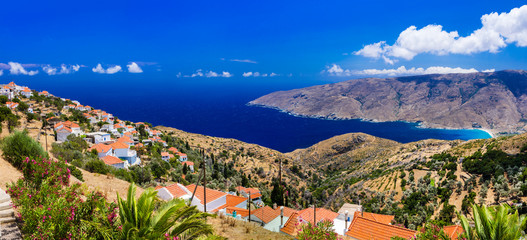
pixel 240 60
pixel 17 68
pixel 336 70
pixel 209 74
pixel 497 31
pixel 76 68
pixel 258 74
pixel 1 72
pixel 114 69
pixel 134 68
pixel 98 69
pixel 65 69
pixel 110 70
pixel 49 70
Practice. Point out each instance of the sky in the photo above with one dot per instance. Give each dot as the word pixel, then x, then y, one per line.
pixel 333 40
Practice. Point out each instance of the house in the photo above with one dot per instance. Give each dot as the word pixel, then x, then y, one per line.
pixel 173 191
pixel 256 195
pixel 7 91
pixel 189 164
pixel 235 206
pixel 99 137
pixel 64 129
pixel 11 105
pixel 26 92
pixel 123 151
pixel 44 93
pixel 173 150
pixel 165 156
pixel 341 223
pixel 102 150
pixel 127 140
pixel 272 218
pixel 182 157
pixel 115 162
pixel 293 224
pixel 365 229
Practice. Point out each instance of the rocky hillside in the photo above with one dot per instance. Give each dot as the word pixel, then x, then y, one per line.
pixel 496 101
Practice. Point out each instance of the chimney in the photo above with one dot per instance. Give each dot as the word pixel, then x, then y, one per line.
pixel 274 206
pixel 281 216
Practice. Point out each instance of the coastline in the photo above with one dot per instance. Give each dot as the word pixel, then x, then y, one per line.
pixel 419 124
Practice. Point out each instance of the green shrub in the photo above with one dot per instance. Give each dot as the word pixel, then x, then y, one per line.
pixel 323 230
pixel 17 146
pixel 76 172
pixel 96 166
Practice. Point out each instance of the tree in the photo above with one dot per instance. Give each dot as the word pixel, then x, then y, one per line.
pixel 17 146
pixel 3 99
pixel 493 223
pixel 141 220
pixel 22 107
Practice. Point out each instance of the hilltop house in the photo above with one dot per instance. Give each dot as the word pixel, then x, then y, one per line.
pixel 98 137
pixel 293 224
pixel 11 105
pixel 165 156
pixel 64 129
pixel 273 218
pixel 123 151
pixel 102 150
pixel 256 195
pixel 182 157
pixel 26 92
pixel 115 162
pixel 7 91
pixel 216 200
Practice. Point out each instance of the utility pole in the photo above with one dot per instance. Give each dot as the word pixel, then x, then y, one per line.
pixel 249 205
pixel 314 214
pixel 280 181
pixel 204 181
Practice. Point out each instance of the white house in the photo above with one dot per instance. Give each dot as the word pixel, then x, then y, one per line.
pixel 64 129
pixel 272 218
pixel 216 200
pixel 123 151
pixel 99 137
pixel 7 91
pixel 165 156
pixel 26 92
pixel 182 157
pixel 189 164
pixel 115 162
pixel 102 150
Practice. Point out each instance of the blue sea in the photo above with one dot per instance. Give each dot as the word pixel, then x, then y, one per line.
pixel 217 107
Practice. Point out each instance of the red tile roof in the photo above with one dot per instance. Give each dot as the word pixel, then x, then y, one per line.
pixel 101 148
pixel 453 231
pixel 366 229
pixel 125 139
pixel 176 190
pixel 386 219
pixel 173 150
pixel 211 194
pixel 267 214
pixel 164 154
pixel 239 211
pixel 292 225
pixel 110 160
pixel 189 163
pixel 233 201
pixel 119 145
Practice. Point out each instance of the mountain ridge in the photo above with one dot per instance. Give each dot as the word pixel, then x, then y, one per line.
pixel 495 101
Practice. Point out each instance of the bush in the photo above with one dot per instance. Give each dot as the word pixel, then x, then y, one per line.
pixel 17 146
pixel 96 166
pixel 76 172
pixel 322 230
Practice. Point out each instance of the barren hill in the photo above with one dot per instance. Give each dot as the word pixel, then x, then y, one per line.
pixel 496 101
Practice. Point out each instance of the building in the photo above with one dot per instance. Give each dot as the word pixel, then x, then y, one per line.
pixel 216 200
pixel 102 150
pixel 189 164
pixel 256 195
pixel 293 224
pixel 365 229
pixel 165 156
pixel 99 137
pixel 123 151
pixel 182 157
pixel 26 92
pixel 272 218
pixel 115 162
pixel 64 129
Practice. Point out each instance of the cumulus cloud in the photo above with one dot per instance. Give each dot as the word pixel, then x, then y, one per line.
pixel 67 69
pixel 49 70
pixel 18 69
pixel 134 68
pixel 209 74
pixel 497 31
pixel 258 74
pixel 110 70
pixel 336 70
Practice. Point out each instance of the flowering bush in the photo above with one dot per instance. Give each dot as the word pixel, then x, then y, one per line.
pixel 323 230
pixel 50 209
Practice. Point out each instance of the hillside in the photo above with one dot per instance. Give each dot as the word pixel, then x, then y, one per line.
pixel 494 101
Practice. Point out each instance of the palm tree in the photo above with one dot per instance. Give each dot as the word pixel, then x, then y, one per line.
pixel 494 223
pixel 140 218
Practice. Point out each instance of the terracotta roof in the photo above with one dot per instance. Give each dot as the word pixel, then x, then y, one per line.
pixel 453 231
pixel 256 195
pixel 187 163
pixel 101 147
pixel 267 214
pixel 139 145
pixel 366 229
pixel 65 128
pixel 119 145
pixel 386 219
pixel 211 194
pixel 176 190
pixel 26 90
pixel 239 211
pixel 181 154
pixel 125 139
pixel 173 150
pixel 293 223
pixel 233 201
pixel 164 154
pixel 67 124
pixel 111 160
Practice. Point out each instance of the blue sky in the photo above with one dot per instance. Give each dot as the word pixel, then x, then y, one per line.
pixel 312 39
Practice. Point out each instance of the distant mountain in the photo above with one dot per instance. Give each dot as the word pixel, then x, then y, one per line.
pixel 496 101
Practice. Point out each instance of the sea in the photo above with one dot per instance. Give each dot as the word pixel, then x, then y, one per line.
pixel 218 107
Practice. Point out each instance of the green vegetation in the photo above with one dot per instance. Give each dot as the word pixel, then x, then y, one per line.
pixel 321 231
pixel 18 146
pixel 492 223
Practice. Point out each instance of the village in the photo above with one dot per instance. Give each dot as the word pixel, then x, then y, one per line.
pixel 117 143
